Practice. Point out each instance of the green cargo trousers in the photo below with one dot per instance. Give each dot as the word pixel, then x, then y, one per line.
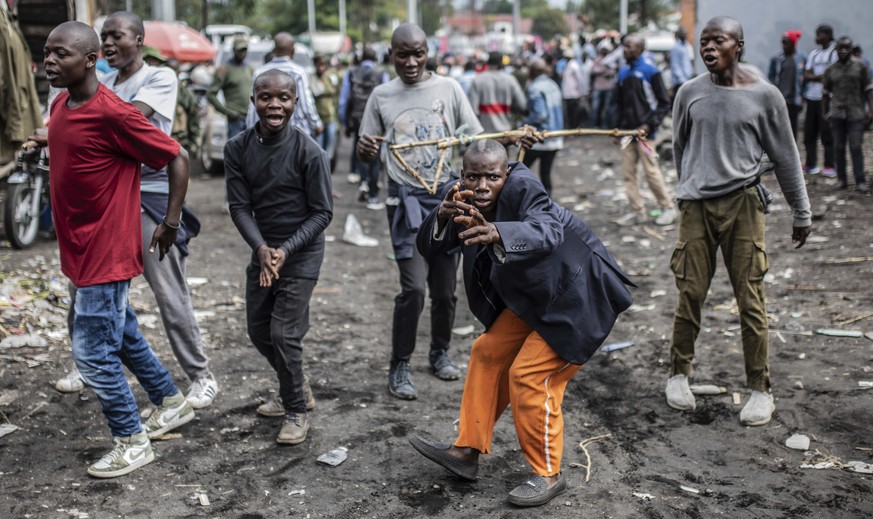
pixel 734 223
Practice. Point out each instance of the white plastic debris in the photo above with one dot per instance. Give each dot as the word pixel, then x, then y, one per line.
pixel 818 466
pixel 707 389
pixel 196 282
pixel 798 442
pixel 297 492
pixel 618 346
pixel 865 384
pixel 643 495
pixel 204 499
pixel 353 233
pixel 21 341
pixel 839 333
pixel 860 466
pixel 333 457
pixel 7 428
pixel 463 331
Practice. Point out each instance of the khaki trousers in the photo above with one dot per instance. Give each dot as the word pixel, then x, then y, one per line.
pixel 630 156
pixel 512 364
pixel 734 223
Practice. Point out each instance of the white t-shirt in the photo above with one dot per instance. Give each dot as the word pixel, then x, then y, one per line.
pixel 819 60
pixel 158 88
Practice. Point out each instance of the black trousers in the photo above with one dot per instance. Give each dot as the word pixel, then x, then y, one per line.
pixel 814 127
pixel 277 318
pixel 793 113
pixel 437 275
pixel 546 158
pixel 851 133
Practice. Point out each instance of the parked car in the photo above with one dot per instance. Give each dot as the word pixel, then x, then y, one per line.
pixel 215 124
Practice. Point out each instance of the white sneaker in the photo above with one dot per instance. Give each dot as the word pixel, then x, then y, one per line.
pixel 630 219
pixel 173 412
pixel 668 216
pixel 202 392
pixel 353 178
pixel 72 382
pixel 758 410
pixel 679 395
pixel 129 454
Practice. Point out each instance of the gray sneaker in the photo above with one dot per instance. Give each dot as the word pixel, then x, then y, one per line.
pixel 400 381
pixel 274 407
pixel 72 382
pixel 758 410
pixel 173 412
pixel 129 454
pixel 679 395
pixel 442 366
pixel 667 217
pixel 294 430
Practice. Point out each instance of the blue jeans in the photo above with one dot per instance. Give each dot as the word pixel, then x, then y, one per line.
pixel 603 108
pixel 369 172
pixel 105 336
pixel 327 139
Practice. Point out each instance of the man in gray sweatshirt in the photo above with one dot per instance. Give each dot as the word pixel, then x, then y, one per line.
pixel 723 123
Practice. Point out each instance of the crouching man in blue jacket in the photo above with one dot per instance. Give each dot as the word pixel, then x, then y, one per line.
pixel 548 293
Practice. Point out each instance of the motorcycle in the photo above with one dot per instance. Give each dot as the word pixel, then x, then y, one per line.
pixel 27 208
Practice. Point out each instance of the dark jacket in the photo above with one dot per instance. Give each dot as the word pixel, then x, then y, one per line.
pixel 641 97
pixel 557 276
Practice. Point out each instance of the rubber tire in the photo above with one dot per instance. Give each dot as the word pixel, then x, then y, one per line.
pixel 15 193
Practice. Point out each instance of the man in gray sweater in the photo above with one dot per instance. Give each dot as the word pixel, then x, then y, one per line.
pixel 723 123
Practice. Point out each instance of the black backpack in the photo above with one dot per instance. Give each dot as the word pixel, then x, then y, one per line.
pixel 363 80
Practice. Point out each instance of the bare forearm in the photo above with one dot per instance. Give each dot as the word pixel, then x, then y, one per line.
pixel 177 173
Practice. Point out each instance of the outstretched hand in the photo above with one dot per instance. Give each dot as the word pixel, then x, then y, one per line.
pixel 454 204
pixel 799 235
pixel 479 230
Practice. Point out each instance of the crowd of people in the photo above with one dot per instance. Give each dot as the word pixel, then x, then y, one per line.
pixel 541 282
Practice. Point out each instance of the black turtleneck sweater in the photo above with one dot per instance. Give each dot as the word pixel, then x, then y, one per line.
pixel 279 193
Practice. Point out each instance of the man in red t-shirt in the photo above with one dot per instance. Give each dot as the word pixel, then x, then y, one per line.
pixel 97 142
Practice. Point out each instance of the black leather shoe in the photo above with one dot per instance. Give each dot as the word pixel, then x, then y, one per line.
pixel 436 452
pixel 535 491
pixel 400 382
pixel 442 366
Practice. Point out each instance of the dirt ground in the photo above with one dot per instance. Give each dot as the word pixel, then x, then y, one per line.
pixel 650 461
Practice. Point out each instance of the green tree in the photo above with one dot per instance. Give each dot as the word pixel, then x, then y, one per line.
pixel 549 22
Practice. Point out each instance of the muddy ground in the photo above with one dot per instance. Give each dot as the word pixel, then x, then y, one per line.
pixel 654 463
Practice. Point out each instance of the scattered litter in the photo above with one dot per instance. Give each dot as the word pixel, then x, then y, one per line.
pixel 866 384
pixel 830 332
pixel 36 408
pixel 203 314
pixel 618 346
pixel 817 239
pixel 707 389
pixel 204 499
pixel 658 293
pixel 860 466
pixel 634 308
pixel 781 338
pixel 7 428
pixel 354 233
pixel 738 398
pixel 297 492
pixel 330 238
pixel 801 356
pixel 463 331
pixel 798 384
pixel 196 282
pixel 642 495
pixel 869 335
pixel 686 488
pixel 333 457
pixel 818 466
pixel 9 396
pixel 21 341
pixel 169 436
pixel 583 446
pixel 564 200
pixel 798 442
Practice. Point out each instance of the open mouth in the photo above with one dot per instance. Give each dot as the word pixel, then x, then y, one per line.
pixel 481 202
pixel 109 55
pixel 274 119
pixel 51 74
pixel 710 59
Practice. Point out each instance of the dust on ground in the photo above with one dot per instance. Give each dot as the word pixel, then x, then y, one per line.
pixel 655 463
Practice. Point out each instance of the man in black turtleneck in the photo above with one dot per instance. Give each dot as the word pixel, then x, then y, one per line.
pixel 279 194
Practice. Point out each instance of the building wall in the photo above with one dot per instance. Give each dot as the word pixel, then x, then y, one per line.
pixel 764 21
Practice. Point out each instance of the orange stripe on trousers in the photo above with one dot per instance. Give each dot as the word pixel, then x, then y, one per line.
pixel 512 364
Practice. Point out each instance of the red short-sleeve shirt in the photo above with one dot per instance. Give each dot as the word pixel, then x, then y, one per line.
pixel 96 151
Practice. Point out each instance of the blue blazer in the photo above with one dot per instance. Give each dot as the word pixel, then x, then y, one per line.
pixel 556 275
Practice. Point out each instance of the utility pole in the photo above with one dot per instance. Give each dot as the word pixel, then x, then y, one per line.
pixel 516 23
pixel 623 18
pixel 310 8
pixel 342 18
pixel 411 11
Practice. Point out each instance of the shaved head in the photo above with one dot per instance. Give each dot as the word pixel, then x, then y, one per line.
pixel 728 25
pixel 283 44
pixel 408 33
pixel 78 35
pixel 131 20
pixel 283 79
pixel 489 148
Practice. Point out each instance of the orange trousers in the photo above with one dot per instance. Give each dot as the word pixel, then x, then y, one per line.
pixel 512 364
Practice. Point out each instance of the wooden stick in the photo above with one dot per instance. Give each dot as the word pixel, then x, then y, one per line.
pixel 439 170
pixel 409 169
pixel 855 320
pixel 844 261
pixel 584 446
